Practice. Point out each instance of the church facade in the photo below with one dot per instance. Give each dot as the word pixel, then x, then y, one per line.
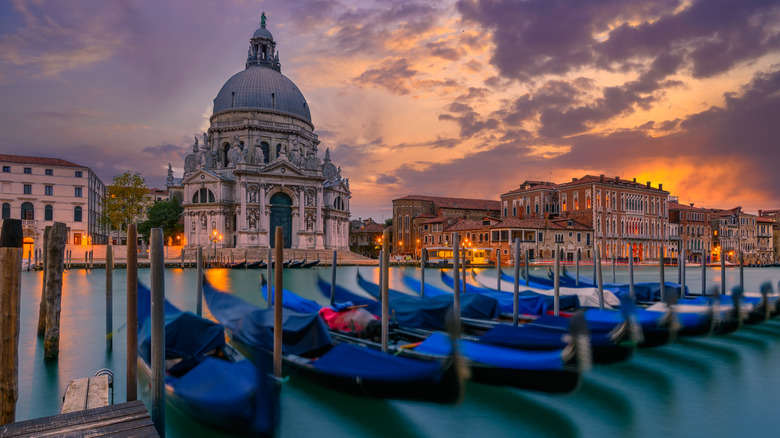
pixel 259 167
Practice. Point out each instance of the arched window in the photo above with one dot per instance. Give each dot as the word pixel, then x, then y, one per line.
pixel 203 196
pixel 6 210
pixel 28 212
pixel 266 152
pixel 77 214
pixel 225 150
pixel 48 213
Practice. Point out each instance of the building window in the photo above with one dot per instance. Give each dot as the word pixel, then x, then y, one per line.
pixel 48 213
pixel 49 172
pixel 579 237
pixel 77 239
pixel 78 192
pixel 6 169
pixel 28 170
pixel 78 174
pixel 6 210
pixel 48 190
pixel 28 212
pixel 28 189
pixel 541 236
pixel 77 214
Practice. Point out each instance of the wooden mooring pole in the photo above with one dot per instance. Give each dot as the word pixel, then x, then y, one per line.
pixel 333 280
pixel 385 272
pixel 557 279
pixel 157 274
pixel 109 296
pixel 456 277
pixel 498 269
pixel 423 256
pixel 279 286
pixel 55 259
pixel 269 266
pixel 599 279
pixel 42 308
pixel 199 292
pixel 132 312
pixel 11 243
pixel 516 295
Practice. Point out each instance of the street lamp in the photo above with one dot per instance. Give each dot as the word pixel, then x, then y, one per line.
pixel 214 238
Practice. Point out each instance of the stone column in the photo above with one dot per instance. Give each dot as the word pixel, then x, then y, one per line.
pixel 301 216
pixel 263 222
pixel 242 193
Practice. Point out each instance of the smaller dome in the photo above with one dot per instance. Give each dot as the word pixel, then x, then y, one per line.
pixel 263 33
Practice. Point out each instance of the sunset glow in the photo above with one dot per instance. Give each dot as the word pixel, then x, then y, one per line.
pixel 460 98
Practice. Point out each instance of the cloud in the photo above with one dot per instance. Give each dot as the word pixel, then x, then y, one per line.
pixel 536 37
pixel 393 74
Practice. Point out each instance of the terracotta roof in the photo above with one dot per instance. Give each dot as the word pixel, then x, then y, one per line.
pixel 434 220
pixel 456 203
pixel 564 224
pixel 513 222
pixel 157 191
pixel 765 219
pixel 370 228
pixel 465 225
pixel 43 161
pixel 590 179
pixel 532 185
pixel 424 215
pixel 687 207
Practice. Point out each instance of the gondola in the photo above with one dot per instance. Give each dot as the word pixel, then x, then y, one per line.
pixel 255 265
pixel 309 351
pixel 729 310
pixel 205 378
pixel 295 264
pixel 611 341
pixel 552 371
pixel 237 265
pixel 311 264
pixel 694 318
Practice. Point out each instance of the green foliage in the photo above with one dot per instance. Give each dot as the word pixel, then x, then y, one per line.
pixel 165 215
pixel 125 200
pixel 389 222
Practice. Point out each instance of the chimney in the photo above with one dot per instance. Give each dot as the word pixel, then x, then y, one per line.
pixel 648 184
pixel 574 180
pixel 660 186
pixel 691 204
pixel 617 179
pixel 601 177
pixel 759 212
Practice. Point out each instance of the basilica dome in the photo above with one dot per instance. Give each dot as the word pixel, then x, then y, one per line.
pixel 261 87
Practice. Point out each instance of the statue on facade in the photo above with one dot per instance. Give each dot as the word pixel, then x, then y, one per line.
pixel 234 155
pixel 312 162
pixel 309 222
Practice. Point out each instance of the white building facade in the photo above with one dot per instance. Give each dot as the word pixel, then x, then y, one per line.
pixel 258 166
pixel 41 191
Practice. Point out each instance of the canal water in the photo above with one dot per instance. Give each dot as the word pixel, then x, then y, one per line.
pixel 720 386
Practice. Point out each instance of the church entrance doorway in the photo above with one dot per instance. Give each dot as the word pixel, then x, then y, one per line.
pixel 281 216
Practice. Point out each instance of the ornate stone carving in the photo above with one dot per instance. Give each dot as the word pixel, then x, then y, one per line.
pixel 252 192
pixel 311 198
pixel 309 221
pixel 254 216
pixel 204 220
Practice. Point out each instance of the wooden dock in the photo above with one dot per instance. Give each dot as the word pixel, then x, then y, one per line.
pixel 129 419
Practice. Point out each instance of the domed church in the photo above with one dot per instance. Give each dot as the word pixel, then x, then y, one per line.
pixel 259 166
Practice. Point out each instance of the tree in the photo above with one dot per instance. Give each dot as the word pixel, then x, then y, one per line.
pixel 389 222
pixel 125 200
pixel 165 215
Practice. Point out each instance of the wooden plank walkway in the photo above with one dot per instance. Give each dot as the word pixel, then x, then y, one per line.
pixel 129 419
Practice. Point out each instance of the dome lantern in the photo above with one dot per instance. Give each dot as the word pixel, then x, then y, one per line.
pixel 262 48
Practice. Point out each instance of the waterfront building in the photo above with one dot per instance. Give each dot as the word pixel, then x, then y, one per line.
pixel 735 231
pixel 695 229
pixel 538 238
pixel 775 216
pixel 42 190
pixel 365 237
pixel 410 212
pixel 258 166
pixel 155 195
pixel 626 217
pixel 766 250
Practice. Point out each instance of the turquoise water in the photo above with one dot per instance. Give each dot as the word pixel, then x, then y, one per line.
pixel 720 386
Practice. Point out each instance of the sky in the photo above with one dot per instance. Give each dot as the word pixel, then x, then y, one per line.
pixel 461 98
